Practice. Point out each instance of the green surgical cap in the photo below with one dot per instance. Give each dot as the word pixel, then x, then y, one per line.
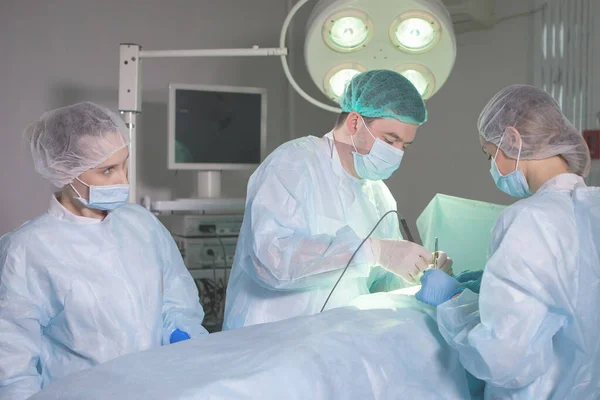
pixel 382 93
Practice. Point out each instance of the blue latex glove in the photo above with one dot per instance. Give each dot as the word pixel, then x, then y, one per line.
pixel 437 287
pixel 178 336
pixel 470 280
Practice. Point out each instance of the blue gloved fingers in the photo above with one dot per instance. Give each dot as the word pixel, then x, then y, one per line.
pixel 437 287
pixel 436 276
pixel 423 295
pixel 464 276
pixel 473 286
pixel 467 276
pixel 470 280
pixel 178 336
pixel 426 275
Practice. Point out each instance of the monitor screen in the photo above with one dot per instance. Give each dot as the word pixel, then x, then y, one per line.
pixel 216 129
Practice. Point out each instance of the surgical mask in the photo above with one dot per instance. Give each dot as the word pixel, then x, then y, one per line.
pixel 513 184
pixel 380 163
pixel 105 198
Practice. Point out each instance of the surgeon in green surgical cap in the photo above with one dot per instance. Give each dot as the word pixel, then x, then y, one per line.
pixel 314 200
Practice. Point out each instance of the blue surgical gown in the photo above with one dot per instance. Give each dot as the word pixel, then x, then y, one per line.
pixel 76 292
pixel 305 216
pixel 532 332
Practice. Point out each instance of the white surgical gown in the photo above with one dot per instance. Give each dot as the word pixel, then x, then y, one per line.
pixel 532 333
pixel 305 216
pixel 76 292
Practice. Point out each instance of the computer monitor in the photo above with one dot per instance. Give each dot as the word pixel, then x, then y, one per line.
pixel 216 128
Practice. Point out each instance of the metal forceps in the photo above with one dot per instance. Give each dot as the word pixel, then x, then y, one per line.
pixel 435 256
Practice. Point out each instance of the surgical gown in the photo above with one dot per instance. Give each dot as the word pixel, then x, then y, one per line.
pixel 305 217
pixel 76 292
pixel 532 333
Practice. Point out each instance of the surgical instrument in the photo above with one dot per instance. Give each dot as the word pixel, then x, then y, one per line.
pixel 435 254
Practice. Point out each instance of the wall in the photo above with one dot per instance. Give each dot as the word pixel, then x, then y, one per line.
pixel 69 51
pixel 447 157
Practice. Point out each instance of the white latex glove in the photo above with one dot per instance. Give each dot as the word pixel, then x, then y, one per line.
pixel 443 262
pixel 403 258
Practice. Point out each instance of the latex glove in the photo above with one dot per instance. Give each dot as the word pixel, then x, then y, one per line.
pixel 437 287
pixel 442 262
pixel 470 280
pixel 403 258
pixel 178 336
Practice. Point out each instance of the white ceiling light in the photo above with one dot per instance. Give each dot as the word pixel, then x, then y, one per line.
pixel 415 32
pixel 381 34
pixel 343 37
pixel 420 76
pixel 347 30
pixel 336 79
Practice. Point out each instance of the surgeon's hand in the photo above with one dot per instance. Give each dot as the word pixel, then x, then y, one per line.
pixel 437 287
pixel 443 262
pixel 178 336
pixel 403 258
pixel 470 280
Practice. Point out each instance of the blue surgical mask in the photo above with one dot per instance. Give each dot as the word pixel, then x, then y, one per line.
pixel 105 198
pixel 513 184
pixel 380 163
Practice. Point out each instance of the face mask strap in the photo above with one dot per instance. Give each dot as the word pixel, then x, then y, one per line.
pixel 368 130
pixel 75 190
pixel 518 155
pixel 352 139
pixel 498 147
pixel 82 182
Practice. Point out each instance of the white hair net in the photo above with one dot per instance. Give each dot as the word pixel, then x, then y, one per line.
pixel 68 141
pixel 543 128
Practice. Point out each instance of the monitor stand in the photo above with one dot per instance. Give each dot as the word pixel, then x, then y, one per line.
pixel 208 184
pixel 208 201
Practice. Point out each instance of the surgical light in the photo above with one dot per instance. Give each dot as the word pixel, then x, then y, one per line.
pixel 337 79
pixel 415 32
pixel 420 77
pixel 379 34
pixel 347 31
pixel 343 37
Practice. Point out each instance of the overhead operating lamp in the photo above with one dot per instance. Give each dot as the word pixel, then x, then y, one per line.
pixel 344 38
pixel 413 37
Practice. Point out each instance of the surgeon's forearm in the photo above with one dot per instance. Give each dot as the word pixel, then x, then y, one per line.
pixel 181 306
pixel 188 320
pixel 298 262
pixel 312 278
